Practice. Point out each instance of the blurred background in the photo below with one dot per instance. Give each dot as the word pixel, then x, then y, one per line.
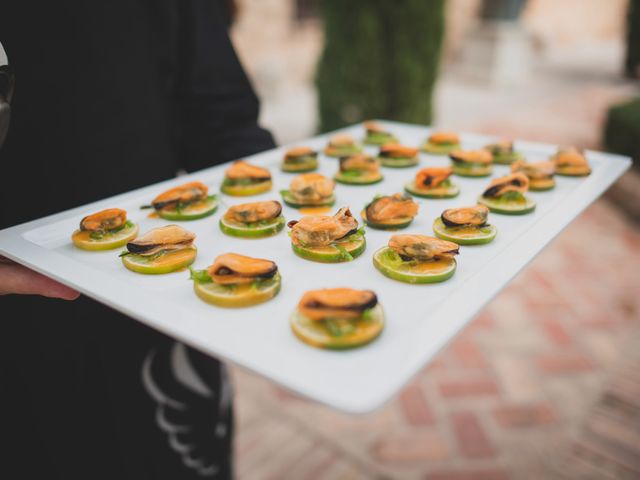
pixel 545 382
pixel 560 72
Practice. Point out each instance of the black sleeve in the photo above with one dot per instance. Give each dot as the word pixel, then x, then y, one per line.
pixel 215 103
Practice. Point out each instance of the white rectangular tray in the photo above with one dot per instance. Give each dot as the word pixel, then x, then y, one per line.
pixel 420 319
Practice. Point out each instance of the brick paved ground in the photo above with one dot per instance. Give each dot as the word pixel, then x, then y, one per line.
pixel 518 394
pixel 544 383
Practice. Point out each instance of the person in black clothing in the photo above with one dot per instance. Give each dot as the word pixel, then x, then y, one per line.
pixel 108 97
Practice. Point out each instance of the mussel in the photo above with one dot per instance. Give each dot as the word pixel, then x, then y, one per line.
pixel 322 230
pixel 535 171
pixel 359 162
pixel 241 170
pixel 104 221
pixel 431 177
pixel 311 187
pixel 516 182
pixel 483 157
pixel 300 152
pixel 373 127
pixel 444 137
pixel 254 212
pixel 338 303
pixel 183 194
pixel 500 148
pixel 393 150
pixel 341 141
pixel 422 247
pixel 390 207
pixel 170 237
pixel 233 269
pixel 570 157
pixel 475 216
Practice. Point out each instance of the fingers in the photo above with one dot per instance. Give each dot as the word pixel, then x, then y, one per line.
pixel 15 278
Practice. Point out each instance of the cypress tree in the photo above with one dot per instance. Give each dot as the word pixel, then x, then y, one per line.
pixel 380 60
pixel 622 130
pixel 632 62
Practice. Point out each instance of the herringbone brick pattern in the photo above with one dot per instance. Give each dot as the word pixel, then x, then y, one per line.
pixel 542 384
pixel 525 391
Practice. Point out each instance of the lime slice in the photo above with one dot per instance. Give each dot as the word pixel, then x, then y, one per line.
pixel 164 263
pixel 353 247
pixel 541 185
pixel 246 190
pixel 402 162
pixel 464 235
pixel 380 139
pixel 295 203
pixel 497 205
pixel 391 265
pixel 571 171
pixel 191 212
pixel 506 158
pixel 82 239
pixel 437 192
pixel 238 296
pixel 365 179
pixel 394 224
pixel 257 230
pixel 300 167
pixel 436 149
pixel 341 152
pixel 472 170
pixel 316 333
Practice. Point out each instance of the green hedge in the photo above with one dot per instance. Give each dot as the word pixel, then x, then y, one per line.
pixel 622 130
pixel 380 60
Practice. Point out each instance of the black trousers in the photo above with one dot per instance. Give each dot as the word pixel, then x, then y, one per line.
pixel 88 393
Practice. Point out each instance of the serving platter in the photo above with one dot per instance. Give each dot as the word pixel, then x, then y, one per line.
pixel 421 319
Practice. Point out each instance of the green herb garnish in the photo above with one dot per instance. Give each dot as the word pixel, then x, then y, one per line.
pixel 260 223
pixel 379 136
pixel 392 257
pixel 512 197
pixel 240 181
pixel 100 234
pixel 367 315
pixel 354 237
pixel 199 276
pixel 344 254
pixel 300 160
pixel 339 326
pixel 352 173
